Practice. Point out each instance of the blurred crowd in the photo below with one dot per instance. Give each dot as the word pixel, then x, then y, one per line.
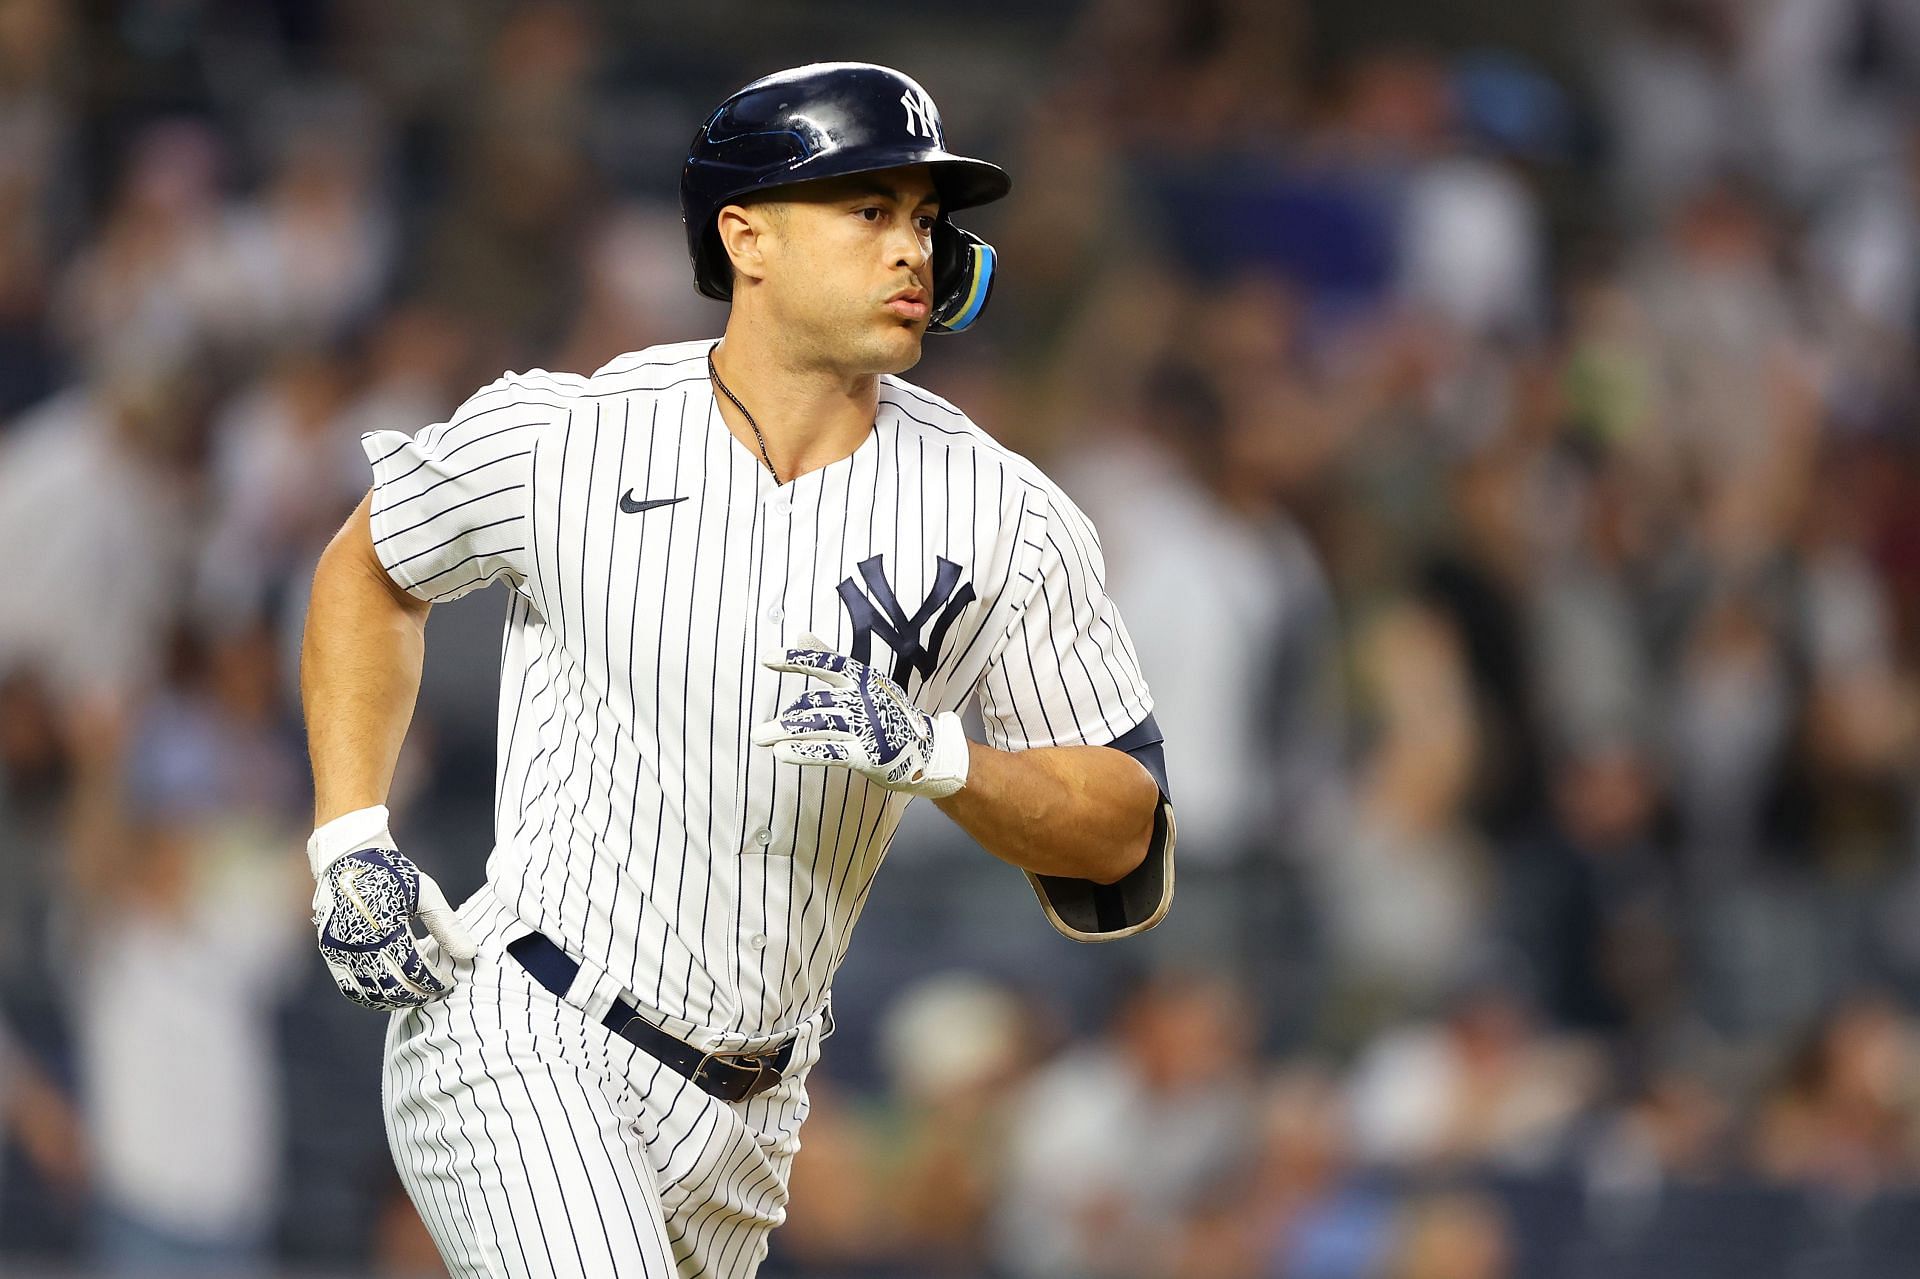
pixel 1501 429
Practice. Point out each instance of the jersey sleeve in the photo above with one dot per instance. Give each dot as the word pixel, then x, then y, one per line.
pixel 452 506
pixel 1066 673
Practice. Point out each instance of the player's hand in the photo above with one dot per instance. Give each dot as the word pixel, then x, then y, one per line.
pixel 862 720
pixel 365 898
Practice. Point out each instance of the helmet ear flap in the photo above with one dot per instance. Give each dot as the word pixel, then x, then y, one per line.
pixel 963 270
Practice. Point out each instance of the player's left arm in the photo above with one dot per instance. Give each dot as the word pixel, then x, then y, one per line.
pixel 1091 825
pixel 1078 812
pixel 1072 771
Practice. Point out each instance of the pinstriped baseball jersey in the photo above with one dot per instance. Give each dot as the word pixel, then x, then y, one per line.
pixel 653 560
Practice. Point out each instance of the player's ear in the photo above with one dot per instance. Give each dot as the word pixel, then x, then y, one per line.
pixel 745 230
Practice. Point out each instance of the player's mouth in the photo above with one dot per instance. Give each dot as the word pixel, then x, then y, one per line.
pixel 910 303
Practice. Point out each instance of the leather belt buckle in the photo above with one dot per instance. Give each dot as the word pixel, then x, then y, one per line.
pixel 765 1074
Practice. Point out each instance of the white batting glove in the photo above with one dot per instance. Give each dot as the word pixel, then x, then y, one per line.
pixel 366 895
pixel 863 721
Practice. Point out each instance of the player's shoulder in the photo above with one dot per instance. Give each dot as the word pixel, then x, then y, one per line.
pixel 941 423
pixel 536 394
pixel 655 368
pixel 921 411
pixel 637 372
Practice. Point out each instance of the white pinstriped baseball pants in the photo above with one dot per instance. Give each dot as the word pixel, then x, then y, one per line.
pixel 536 1144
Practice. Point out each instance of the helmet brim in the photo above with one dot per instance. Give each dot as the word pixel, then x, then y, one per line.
pixel 963 183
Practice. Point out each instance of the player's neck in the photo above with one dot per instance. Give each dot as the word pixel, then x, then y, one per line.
pixel 811 416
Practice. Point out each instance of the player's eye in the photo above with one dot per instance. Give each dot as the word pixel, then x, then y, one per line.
pixel 875 210
pixel 926 221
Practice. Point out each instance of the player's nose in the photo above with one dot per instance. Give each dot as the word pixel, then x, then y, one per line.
pixel 909 248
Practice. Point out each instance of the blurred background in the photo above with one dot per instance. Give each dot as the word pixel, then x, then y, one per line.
pixel 1500 418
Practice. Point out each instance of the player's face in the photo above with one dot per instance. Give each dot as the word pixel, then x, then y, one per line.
pixel 851 268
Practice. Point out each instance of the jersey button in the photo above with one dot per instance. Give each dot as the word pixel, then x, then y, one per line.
pixel 776 613
pixel 758 941
pixel 763 837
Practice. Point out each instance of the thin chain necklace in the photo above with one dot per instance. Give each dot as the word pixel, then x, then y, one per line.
pixel 727 391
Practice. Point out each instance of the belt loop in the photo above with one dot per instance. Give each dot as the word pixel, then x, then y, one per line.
pixel 593 991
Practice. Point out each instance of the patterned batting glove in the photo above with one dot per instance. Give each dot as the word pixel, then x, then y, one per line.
pixel 863 721
pixel 365 897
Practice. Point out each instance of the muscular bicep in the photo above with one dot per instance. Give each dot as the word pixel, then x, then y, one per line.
pixel 360 660
pixel 352 550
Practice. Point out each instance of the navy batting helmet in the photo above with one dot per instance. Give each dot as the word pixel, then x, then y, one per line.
pixel 828 120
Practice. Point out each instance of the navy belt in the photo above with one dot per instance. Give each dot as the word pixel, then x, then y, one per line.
pixel 728 1076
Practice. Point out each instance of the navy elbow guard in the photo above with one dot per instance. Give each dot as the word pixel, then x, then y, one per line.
pixel 1092 912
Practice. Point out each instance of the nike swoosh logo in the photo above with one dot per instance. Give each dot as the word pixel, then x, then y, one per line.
pixel 632 507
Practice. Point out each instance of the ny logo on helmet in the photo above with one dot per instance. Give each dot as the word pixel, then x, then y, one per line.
pixel 922 119
pixel 882 615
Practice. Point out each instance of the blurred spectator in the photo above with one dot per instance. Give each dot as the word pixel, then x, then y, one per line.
pixel 280 471
pixel 1451 1236
pixel 1471 252
pixel 1314 1216
pixel 184 959
pixel 1857 727
pixel 316 246
pixel 1674 112
pixel 1483 1086
pixel 1594 659
pixel 1731 718
pixel 1114 1141
pixel 1733 363
pixel 163 283
pixel 1670 1129
pixel 1843 1116
pixel 99 483
pixel 189 920
pixel 1594 908
pixel 955 1047
pixel 1395 949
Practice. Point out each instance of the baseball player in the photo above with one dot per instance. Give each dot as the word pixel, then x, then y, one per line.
pixel 754 582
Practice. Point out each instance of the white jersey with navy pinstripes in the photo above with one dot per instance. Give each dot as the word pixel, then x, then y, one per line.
pixel 653 560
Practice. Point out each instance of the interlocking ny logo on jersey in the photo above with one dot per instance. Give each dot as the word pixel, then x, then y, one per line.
pixel 875 611
pixel 922 120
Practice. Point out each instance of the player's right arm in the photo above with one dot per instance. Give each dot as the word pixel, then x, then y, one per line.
pixel 360 661
pixel 451 509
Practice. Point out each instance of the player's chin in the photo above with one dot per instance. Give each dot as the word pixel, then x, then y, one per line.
pixel 899 342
